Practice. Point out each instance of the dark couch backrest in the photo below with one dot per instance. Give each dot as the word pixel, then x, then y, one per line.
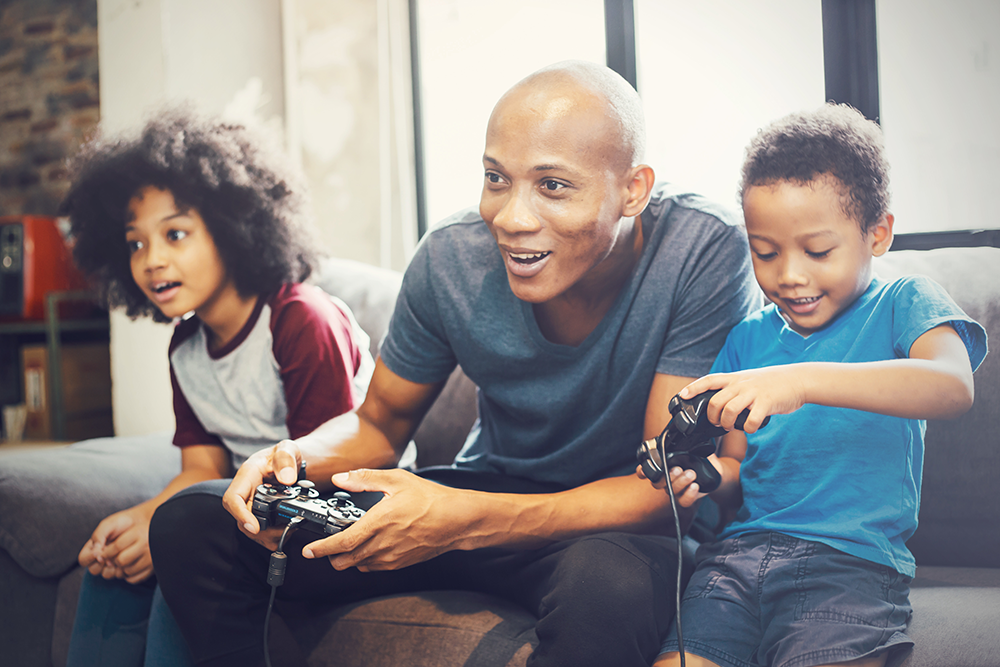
pixel 371 293
pixel 959 509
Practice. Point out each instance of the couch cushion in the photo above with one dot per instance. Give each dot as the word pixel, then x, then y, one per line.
pixel 958 512
pixel 54 498
pixel 956 617
pixel 371 293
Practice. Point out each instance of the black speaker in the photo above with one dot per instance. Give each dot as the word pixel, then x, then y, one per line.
pixel 11 269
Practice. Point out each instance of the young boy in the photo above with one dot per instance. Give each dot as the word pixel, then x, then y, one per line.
pixel 815 570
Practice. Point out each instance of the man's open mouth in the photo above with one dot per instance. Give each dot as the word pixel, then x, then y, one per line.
pixel 528 257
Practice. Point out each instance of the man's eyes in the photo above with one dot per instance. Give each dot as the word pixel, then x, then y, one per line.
pixel 548 185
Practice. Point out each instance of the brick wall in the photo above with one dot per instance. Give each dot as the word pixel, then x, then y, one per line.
pixel 49 100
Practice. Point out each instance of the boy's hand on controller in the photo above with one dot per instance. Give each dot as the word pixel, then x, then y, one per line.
pixel 281 463
pixel 415 521
pixel 775 390
pixel 686 490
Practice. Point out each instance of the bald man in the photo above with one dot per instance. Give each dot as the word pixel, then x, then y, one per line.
pixel 579 298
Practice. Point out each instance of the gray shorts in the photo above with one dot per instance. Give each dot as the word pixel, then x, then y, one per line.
pixel 771 600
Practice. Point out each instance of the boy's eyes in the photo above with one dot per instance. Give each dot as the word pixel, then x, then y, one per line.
pixel 767 256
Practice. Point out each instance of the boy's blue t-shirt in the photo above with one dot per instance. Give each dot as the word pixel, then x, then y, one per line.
pixel 846 478
pixel 562 414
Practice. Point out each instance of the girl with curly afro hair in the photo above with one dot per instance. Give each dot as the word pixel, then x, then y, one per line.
pixel 252 202
pixel 194 221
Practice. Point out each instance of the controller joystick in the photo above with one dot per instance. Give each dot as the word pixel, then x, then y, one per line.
pixel 687 442
pixel 276 505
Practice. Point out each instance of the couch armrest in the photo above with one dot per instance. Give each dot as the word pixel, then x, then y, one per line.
pixel 53 499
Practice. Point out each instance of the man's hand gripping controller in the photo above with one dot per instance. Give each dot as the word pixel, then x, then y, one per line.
pixel 687 442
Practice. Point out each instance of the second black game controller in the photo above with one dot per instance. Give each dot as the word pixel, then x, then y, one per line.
pixel 687 442
pixel 277 504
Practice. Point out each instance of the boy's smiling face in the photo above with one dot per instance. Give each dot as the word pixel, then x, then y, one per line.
pixel 809 256
pixel 174 259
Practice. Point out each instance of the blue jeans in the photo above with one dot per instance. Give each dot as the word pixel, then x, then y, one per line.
pixel 119 624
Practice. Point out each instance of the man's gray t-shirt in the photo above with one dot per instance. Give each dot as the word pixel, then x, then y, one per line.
pixel 557 413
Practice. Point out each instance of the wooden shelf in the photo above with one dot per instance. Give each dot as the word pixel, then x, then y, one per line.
pixel 53 327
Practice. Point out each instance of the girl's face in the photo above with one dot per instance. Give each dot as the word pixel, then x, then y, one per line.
pixel 174 258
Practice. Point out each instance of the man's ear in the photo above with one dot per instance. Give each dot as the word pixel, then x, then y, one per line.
pixel 881 235
pixel 640 187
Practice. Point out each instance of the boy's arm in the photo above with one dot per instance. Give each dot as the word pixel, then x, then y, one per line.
pixel 731 452
pixel 934 382
pixel 729 495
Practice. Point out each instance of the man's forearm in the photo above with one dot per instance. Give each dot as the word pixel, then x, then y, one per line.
pixel 626 504
pixel 346 442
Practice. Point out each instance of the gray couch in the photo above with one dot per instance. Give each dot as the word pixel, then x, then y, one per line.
pixel 50 501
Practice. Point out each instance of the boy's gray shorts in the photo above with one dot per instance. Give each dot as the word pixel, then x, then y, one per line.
pixel 767 599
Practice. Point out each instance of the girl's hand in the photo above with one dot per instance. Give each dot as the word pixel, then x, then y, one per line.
pixel 119 547
pixel 92 554
pixel 775 390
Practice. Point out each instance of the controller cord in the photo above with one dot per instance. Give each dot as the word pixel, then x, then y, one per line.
pixel 276 577
pixel 680 549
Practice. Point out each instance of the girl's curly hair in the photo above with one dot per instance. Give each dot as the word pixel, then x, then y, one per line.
pixel 253 202
pixel 834 139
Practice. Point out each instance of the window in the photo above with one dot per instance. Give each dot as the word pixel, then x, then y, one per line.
pixel 940 100
pixel 711 73
pixel 470 54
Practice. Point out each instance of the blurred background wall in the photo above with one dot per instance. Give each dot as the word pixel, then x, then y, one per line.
pixel 331 80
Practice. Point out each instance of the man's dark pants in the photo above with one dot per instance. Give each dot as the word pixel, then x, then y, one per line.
pixel 603 599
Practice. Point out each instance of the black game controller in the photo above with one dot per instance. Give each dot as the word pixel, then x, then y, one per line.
pixel 277 504
pixel 687 442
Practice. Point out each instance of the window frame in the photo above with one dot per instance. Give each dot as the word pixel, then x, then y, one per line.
pixel 850 59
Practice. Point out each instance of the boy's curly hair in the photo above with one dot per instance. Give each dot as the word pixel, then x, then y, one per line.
pixel 834 139
pixel 253 202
